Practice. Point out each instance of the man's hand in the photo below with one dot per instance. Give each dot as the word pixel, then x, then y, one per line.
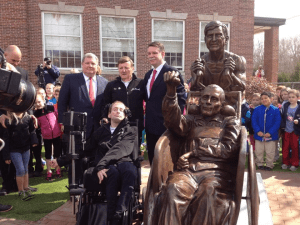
pixel 183 162
pixel 103 121
pixel 172 80
pixel 54 163
pixel 267 135
pixel 261 134
pixel 35 121
pixel 101 174
pixel 2 120
pixel 8 161
pixel 34 145
pixel 197 67
pixel 62 127
pixel 295 121
pixel 230 64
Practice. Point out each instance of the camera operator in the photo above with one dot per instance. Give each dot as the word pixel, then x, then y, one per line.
pixel 47 73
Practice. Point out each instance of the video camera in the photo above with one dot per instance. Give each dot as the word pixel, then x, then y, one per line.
pixel 16 94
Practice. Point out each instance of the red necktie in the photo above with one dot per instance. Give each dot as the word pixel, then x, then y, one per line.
pixel 91 92
pixel 153 79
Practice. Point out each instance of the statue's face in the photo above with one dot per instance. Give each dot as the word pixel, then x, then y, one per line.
pixel 210 102
pixel 215 39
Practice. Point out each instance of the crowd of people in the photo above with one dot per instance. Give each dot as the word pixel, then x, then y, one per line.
pixel 269 118
pixel 111 105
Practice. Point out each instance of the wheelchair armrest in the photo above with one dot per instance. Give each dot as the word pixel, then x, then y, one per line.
pixel 77 191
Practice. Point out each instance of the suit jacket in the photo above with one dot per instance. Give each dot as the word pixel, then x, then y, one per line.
pixel 23 72
pixel 74 94
pixel 154 118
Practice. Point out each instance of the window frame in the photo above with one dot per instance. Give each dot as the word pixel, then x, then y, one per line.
pixel 81 35
pixel 183 38
pixel 200 26
pixel 101 44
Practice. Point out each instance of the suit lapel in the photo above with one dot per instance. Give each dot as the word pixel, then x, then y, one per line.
pixel 100 85
pixel 82 84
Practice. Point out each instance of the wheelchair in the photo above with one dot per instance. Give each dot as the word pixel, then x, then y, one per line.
pixel 170 147
pixel 92 207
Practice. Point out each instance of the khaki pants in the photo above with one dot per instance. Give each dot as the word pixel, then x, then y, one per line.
pixel 269 148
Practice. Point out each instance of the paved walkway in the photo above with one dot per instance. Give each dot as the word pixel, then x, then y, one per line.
pixel 283 191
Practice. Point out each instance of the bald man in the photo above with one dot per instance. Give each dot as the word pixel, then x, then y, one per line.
pixel 13 55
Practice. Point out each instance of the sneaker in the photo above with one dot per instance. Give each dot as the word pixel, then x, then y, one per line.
pixel 5 208
pixel 49 176
pixel 293 168
pixel 284 166
pixel 268 169
pixel 28 194
pixel 58 173
pixel 3 192
pixel 32 189
pixel 22 195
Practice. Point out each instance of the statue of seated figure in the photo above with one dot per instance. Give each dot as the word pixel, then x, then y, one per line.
pixel 201 189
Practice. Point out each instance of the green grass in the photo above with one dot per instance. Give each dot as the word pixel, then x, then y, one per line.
pixel 50 196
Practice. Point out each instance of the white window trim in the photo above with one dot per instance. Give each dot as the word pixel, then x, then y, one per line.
pixel 81 35
pixel 134 41
pixel 199 52
pixel 183 38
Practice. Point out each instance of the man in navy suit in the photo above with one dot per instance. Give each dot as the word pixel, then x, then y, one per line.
pixel 75 91
pixel 83 92
pixel 156 89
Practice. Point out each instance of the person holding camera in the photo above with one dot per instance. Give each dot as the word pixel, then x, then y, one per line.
pixel 47 73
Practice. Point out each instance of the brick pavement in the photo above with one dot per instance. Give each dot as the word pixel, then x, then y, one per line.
pixel 283 189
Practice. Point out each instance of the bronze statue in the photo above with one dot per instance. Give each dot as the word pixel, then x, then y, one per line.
pixel 198 170
pixel 218 66
pixel 201 190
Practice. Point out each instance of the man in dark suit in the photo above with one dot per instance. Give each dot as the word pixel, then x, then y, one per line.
pixel 156 89
pixel 75 91
pixel 13 55
pixel 83 92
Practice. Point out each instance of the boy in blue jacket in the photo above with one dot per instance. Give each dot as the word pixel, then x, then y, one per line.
pixel 266 120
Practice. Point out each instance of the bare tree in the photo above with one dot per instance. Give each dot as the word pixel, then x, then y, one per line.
pixel 258 54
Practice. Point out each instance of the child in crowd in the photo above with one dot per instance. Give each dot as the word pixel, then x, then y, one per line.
pixel 19 136
pixel 48 121
pixel 254 103
pixel 275 102
pixel 41 91
pixel 56 95
pixel 278 90
pixel 265 122
pixel 291 125
pixel 50 93
pixel 284 95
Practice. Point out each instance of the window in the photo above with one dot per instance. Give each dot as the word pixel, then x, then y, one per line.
pixel 62 39
pixel 171 34
pixel 117 37
pixel 203 49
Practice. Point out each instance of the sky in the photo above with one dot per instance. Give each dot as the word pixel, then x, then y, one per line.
pixel 286 9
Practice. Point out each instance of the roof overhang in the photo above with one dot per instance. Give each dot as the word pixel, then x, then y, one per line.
pixel 262 24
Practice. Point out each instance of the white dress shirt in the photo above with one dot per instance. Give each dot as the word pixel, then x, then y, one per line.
pixel 87 82
pixel 158 69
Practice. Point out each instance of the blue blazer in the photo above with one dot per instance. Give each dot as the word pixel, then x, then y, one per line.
pixel 154 118
pixel 74 94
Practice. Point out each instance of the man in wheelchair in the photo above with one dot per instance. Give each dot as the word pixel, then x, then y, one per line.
pixel 114 168
pixel 201 189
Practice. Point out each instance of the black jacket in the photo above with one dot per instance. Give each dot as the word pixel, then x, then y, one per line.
pixel 296 117
pixel 132 97
pixel 19 137
pixel 113 148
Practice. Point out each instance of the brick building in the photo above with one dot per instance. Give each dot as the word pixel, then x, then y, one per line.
pixel 65 30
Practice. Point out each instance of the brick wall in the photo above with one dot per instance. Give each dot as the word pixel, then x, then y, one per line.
pixel 23 27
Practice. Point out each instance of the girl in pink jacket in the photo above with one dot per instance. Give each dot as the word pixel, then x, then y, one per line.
pixel 48 121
